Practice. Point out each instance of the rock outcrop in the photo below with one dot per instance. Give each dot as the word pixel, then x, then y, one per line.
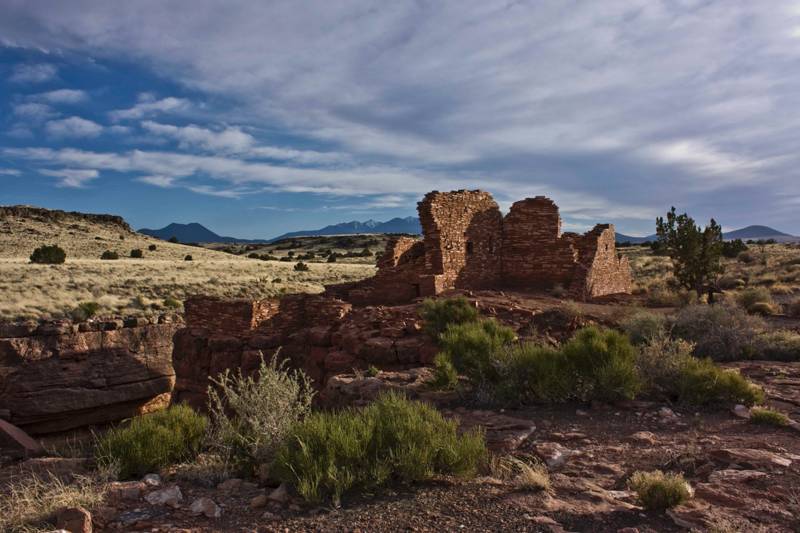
pixel 59 375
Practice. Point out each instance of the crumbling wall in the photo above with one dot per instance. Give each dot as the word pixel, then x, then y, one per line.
pixel 57 376
pixel 535 254
pixel 318 334
pixel 463 232
pixel 601 270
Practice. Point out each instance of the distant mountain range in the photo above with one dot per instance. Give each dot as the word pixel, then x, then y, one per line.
pixel 192 232
pixel 409 225
pixel 749 233
pixel 195 232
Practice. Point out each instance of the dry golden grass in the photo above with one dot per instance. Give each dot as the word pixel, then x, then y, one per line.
pixel 135 286
pixel 29 503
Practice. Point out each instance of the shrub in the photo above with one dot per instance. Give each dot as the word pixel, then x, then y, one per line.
pixel 48 255
pixel 329 454
pixel 136 253
pixel 471 347
pixel 660 362
pixel 750 297
pixel 438 314
pixel 731 249
pixel 188 257
pixel 172 303
pixel 531 373
pixel 250 416
pixel 779 345
pixel 85 311
pixel 301 267
pixel 445 375
pixel 658 491
pixel 150 442
pixel 174 240
pixel 108 255
pixel 768 417
pixel 332 257
pixel 746 258
pixel 721 332
pixel 730 282
pixel 643 326
pixel 372 371
pixel 605 364
pixel 152 247
pixel 701 382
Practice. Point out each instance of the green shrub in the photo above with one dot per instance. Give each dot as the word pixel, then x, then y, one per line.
pixel 152 247
pixel 721 332
pixel 445 375
pixel 658 491
pixel 701 382
pixel 49 255
pixel 643 326
pixel 768 417
pixel 660 361
pixel 108 255
pixel 731 249
pixel 438 314
pixel 150 442
pixel 301 267
pixel 779 345
pixel 136 253
pixel 250 416
pixel 750 297
pixel 531 373
pixel 372 371
pixel 85 311
pixel 604 362
pixel 174 240
pixel 329 454
pixel 172 303
pixel 471 347
pixel 188 257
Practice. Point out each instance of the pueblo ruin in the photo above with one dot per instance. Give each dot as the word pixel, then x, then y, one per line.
pixel 468 244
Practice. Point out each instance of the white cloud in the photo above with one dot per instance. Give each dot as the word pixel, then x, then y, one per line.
pixel 9 172
pixel 74 178
pixel 148 106
pixel 34 111
pixel 33 73
pixel 62 96
pixel 232 140
pixel 73 127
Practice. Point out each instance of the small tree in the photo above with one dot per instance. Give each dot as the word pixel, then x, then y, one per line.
pixel 136 253
pixel 173 239
pixel 108 255
pixel 48 255
pixel 695 252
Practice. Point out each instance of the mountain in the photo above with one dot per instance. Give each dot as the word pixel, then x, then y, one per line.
pixel 760 232
pixel 396 225
pixel 749 233
pixel 192 232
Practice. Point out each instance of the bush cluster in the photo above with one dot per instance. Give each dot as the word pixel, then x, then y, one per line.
pixel 48 255
pixel 250 416
pixel 329 454
pixel 150 442
pixel 438 314
pixel 136 253
pixel 108 255
pixel 84 311
pixel 657 491
pixel 756 300
pixel 721 332
pixel 301 267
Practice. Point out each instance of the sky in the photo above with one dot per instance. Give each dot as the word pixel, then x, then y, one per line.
pixel 259 117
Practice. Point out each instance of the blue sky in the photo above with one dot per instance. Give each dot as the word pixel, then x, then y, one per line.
pixel 256 118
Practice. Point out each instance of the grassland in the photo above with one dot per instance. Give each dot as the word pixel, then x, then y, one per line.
pixel 126 286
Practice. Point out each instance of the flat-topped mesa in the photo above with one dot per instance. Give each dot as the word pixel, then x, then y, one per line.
pixel 468 244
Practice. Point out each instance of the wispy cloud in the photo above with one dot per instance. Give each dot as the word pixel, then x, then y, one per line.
pixel 9 172
pixel 148 106
pixel 33 73
pixel 34 111
pixel 62 96
pixel 73 127
pixel 74 178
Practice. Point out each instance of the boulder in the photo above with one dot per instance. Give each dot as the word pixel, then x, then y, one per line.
pixel 16 443
pixel 207 507
pixel 168 496
pixel 74 520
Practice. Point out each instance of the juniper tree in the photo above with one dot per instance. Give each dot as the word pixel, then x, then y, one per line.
pixel 695 252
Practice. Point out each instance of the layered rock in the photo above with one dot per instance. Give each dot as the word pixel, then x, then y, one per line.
pixel 60 375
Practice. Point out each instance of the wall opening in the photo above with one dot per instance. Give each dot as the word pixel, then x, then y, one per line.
pixel 470 248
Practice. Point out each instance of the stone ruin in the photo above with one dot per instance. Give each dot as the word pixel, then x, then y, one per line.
pixel 468 244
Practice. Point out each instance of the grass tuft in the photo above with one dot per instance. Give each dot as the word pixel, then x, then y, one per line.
pixel 768 417
pixel 658 491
